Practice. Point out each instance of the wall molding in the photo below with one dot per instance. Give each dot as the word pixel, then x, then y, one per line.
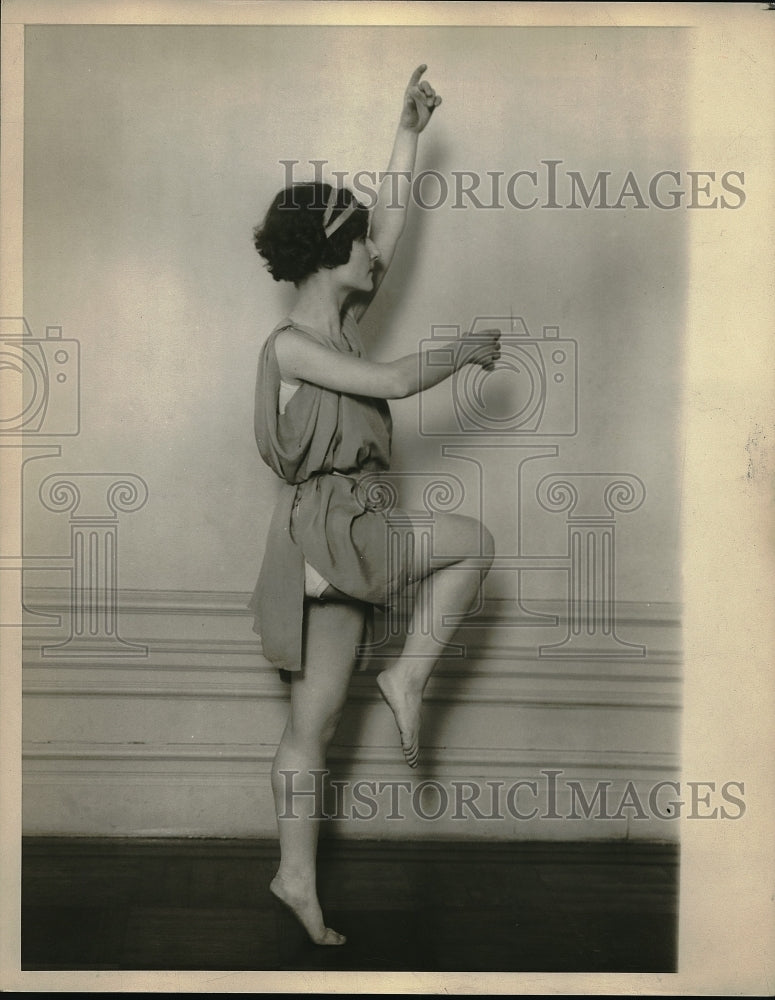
pixel 180 742
pixel 234 602
pixel 238 648
pixel 467 758
pixel 657 623
pixel 436 693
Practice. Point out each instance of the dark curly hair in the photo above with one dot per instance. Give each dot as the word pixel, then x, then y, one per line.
pixel 291 238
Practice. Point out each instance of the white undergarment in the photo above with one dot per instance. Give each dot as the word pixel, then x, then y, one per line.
pixel 287 391
pixel 314 583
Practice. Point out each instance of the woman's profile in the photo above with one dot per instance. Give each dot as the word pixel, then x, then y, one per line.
pixel 322 422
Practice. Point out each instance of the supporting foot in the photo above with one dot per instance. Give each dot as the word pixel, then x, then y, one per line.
pixel 405 701
pixel 304 905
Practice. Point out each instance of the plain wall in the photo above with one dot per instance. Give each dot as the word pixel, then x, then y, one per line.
pixel 150 153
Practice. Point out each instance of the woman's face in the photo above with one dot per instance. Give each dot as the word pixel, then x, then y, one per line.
pixel 356 274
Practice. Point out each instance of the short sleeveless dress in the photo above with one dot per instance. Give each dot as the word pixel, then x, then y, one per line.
pixel 320 447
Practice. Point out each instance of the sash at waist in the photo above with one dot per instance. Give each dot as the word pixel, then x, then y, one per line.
pixel 371 497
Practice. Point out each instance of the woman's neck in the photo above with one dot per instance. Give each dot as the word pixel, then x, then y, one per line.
pixel 319 304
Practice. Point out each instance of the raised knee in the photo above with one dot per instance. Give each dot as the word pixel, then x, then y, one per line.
pixel 467 537
pixel 481 543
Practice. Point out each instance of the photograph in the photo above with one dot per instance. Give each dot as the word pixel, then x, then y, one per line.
pixel 387 497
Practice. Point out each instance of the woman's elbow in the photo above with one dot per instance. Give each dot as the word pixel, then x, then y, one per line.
pixel 399 384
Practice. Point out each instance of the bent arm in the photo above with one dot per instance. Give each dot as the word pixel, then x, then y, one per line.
pixel 302 358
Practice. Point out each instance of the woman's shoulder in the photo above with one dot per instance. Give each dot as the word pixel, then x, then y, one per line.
pixel 286 323
pixel 282 338
pixel 297 331
pixel 290 329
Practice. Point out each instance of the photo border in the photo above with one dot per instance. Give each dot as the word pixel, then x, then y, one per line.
pixel 727 918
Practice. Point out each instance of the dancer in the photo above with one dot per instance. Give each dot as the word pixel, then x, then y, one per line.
pixel 322 422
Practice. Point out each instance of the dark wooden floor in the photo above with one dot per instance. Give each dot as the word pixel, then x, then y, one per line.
pixel 201 905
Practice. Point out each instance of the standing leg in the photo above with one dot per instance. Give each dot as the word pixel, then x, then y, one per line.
pixel 450 590
pixel 318 694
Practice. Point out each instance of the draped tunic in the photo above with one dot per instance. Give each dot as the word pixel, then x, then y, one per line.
pixel 319 447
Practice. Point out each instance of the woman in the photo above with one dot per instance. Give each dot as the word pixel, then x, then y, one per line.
pixel 322 420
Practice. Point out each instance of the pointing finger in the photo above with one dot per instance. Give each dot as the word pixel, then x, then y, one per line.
pixel 415 77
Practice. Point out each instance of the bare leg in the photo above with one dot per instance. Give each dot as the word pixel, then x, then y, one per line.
pixel 451 590
pixel 333 631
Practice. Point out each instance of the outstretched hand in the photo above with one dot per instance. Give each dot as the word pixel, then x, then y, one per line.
pixel 420 101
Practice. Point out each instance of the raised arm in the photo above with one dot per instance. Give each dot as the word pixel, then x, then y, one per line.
pixel 301 357
pixel 388 216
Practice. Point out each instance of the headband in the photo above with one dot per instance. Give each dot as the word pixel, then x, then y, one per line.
pixel 329 228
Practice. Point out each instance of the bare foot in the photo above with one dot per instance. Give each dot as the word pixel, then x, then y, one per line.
pixel 305 907
pixel 405 700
